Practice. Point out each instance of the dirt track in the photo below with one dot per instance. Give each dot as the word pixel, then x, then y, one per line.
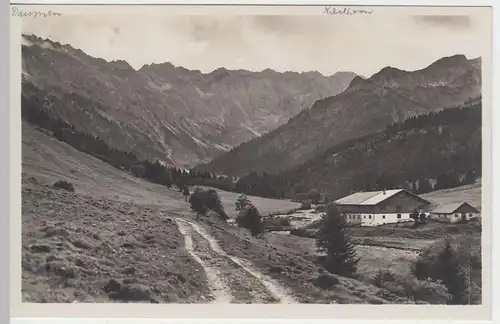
pixel 232 279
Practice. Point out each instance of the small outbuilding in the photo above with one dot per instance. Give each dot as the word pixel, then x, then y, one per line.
pixel 454 213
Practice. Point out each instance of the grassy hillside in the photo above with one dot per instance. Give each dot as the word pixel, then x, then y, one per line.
pixel 49 160
pixel 117 230
pixel 469 193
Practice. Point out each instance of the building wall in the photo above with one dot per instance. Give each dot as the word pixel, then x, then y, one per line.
pixel 403 202
pixel 374 219
pixel 465 208
pixel 452 218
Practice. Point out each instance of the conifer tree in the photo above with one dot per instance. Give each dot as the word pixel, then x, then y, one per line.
pixel 250 218
pixel 424 186
pixel 213 202
pixel 242 202
pixel 334 239
pixel 197 203
pixel 452 275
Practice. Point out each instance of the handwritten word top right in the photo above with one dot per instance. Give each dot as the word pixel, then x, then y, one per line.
pixel 335 11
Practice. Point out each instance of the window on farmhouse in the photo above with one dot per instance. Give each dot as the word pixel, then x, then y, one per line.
pixel 383 216
pixel 470 215
pixel 399 216
pixel 370 216
pixel 456 215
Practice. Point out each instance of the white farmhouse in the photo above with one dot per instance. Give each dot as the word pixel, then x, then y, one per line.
pixel 372 208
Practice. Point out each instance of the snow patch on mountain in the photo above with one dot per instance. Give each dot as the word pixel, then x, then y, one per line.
pixel 202 94
pixel 251 130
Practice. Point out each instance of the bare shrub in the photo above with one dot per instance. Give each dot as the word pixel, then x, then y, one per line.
pixel 66 185
pixel 325 281
pixel 407 286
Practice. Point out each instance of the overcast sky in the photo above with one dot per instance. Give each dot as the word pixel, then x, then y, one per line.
pixel 283 43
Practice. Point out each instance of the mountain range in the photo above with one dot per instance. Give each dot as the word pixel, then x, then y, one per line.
pixel 366 107
pixel 181 117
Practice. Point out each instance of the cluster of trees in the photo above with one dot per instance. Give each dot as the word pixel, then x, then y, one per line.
pixel 456 263
pixel 444 277
pixel 204 200
pixel 249 216
pixel 261 185
pixel 444 180
pixel 419 218
pixel 421 154
pixel 434 119
pixel 449 272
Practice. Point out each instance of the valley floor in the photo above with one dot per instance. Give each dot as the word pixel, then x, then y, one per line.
pixel 77 248
pixel 121 239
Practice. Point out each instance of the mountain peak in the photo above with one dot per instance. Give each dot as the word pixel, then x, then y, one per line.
pixel 357 80
pixel 220 70
pixel 387 72
pixel 154 65
pixel 268 70
pixel 121 65
pixel 450 60
pixel 343 73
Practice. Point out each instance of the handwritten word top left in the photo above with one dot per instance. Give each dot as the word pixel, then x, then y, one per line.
pixel 16 12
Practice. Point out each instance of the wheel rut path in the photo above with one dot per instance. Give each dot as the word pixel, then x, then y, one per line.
pixel 231 279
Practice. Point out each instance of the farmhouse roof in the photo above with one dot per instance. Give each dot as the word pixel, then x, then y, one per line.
pixel 450 208
pixel 371 198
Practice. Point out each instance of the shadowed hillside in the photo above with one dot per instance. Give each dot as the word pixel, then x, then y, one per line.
pixel 429 152
pixel 366 107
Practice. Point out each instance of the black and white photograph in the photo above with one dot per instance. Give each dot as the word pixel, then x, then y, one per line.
pixel 329 158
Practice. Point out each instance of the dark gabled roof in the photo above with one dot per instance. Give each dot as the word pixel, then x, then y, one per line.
pixel 451 208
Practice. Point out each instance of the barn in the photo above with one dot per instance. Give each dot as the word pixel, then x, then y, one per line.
pixel 373 208
pixel 454 213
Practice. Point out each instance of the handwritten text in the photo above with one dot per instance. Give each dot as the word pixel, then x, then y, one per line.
pixel 334 11
pixel 16 12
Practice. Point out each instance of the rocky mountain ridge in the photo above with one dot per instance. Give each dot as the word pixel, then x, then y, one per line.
pixel 179 116
pixel 367 106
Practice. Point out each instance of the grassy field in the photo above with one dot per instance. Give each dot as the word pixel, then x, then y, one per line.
pixel 469 193
pixel 117 231
pixel 393 246
pixel 377 258
pixel 49 160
